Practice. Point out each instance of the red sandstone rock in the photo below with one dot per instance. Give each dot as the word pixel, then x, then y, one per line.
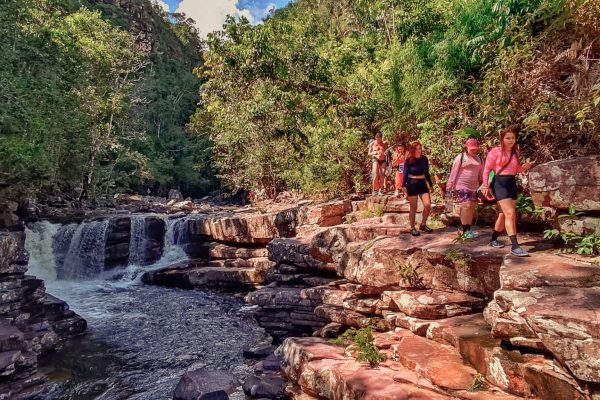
pixel 565 320
pixel 248 227
pixel 322 370
pixel 222 251
pixel 440 364
pixel 547 270
pixel 408 262
pixel 567 183
pixel 435 304
pixel 295 251
pixel 389 204
pixel 343 316
pixel 325 214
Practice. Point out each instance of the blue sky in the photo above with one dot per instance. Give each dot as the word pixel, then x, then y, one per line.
pixel 210 14
pixel 257 8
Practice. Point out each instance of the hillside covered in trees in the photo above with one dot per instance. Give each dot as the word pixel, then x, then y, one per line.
pixel 291 103
pixel 95 98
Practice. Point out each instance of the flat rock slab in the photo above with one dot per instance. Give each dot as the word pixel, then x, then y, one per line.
pixel 223 251
pixel 343 316
pixel 322 370
pixel 205 384
pixel 281 298
pixel 248 227
pixel 435 304
pixel 442 365
pixel 295 251
pixel 565 320
pixel 414 263
pixel 325 214
pixel 547 270
pixel 389 204
pixel 227 277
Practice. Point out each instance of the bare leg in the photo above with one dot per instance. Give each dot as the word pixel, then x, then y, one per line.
pixel 383 184
pixel 375 172
pixel 426 199
pixel 413 202
pixel 510 215
pixel 467 210
pixel 499 225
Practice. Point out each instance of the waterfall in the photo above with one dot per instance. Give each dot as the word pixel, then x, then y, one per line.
pixel 39 242
pixel 85 255
pixel 137 249
pixel 77 251
pixel 174 239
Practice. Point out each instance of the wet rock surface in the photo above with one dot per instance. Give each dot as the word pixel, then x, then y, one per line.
pixel 307 274
pixel 142 339
pixel 31 322
pixel 205 384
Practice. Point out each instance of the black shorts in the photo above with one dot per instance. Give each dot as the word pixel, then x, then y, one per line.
pixel 415 187
pixel 504 187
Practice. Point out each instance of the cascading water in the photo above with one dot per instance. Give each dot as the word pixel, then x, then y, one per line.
pixel 140 339
pixel 86 252
pixel 174 240
pixel 137 241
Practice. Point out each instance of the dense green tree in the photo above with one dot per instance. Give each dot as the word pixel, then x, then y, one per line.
pixel 291 102
pixel 85 108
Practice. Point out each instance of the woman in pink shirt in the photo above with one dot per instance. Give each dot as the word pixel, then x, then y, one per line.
pixel 464 180
pixel 504 161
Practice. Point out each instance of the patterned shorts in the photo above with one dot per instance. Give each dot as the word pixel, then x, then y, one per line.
pixel 464 195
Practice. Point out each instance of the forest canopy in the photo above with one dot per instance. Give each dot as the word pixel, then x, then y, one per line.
pixel 90 105
pixel 292 102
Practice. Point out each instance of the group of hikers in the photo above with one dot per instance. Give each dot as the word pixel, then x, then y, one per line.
pixel 470 175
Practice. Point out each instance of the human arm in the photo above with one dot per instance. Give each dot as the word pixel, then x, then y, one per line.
pixel 490 162
pixel 453 174
pixel 405 174
pixel 427 174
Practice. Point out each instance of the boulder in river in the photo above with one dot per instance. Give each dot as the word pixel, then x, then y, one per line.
pixel 205 384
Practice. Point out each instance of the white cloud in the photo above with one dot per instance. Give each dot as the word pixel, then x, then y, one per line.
pixel 264 12
pixel 162 5
pixel 210 14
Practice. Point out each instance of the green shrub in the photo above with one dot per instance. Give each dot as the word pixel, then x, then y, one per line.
pixel 363 339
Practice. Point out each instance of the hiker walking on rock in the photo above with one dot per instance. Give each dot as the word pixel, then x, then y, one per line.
pixel 464 180
pixel 398 159
pixel 504 162
pixel 377 152
pixel 416 180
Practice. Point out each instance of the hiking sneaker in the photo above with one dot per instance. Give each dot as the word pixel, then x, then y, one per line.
pixel 470 235
pixel 519 252
pixel 497 244
pixel 425 228
pixel 414 232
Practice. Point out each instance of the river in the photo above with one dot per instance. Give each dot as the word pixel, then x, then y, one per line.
pixel 140 339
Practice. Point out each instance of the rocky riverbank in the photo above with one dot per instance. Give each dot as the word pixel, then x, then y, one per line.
pixel 454 319
pixel 32 322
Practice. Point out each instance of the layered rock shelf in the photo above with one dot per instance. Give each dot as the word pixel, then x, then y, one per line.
pixel 454 318
pixel 31 321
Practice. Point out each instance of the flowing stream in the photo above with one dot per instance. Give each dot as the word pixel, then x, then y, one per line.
pixel 140 339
